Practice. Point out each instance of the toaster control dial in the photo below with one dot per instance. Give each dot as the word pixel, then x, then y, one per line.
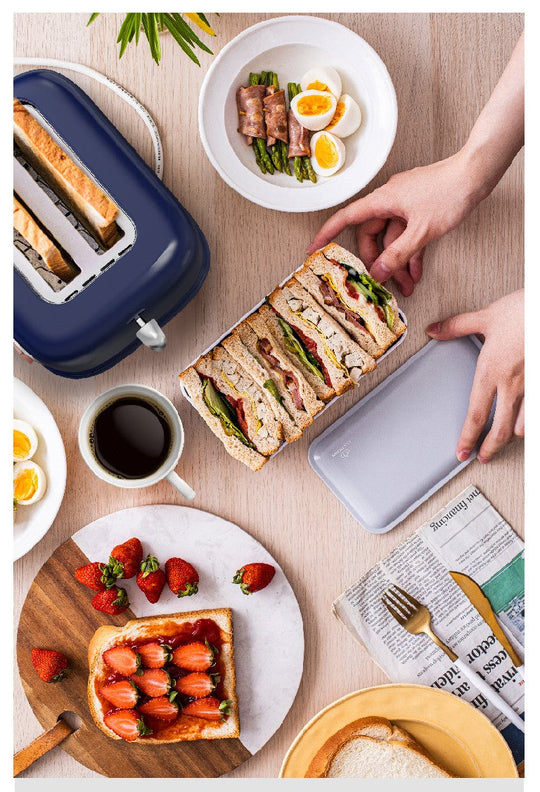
pixel 151 334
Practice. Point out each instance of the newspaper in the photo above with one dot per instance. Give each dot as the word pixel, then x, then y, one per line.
pixel 468 535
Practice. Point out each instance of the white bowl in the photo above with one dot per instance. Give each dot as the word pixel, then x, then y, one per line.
pixel 290 46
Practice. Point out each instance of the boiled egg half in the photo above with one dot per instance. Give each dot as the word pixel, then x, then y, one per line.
pixel 29 483
pixel 347 117
pixel 314 109
pixel 25 440
pixel 322 78
pixel 327 153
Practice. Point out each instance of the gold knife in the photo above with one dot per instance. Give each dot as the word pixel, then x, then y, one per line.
pixel 476 596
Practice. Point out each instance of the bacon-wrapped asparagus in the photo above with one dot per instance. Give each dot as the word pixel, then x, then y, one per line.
pixel 276 123
pixel 249 102
pixel 299 147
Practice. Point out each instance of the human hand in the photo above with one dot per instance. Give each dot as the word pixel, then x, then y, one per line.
pixel 412 209
pixel 500 371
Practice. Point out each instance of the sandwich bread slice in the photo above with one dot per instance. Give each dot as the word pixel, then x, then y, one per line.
pixel 134 688
pixel 293 400
pixel 233 405
pixel 373 747
pixel 339 281
pixel 79 192
pixel 296 351
pixel 340 360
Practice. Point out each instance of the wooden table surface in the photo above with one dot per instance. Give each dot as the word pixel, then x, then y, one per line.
pixel 444 67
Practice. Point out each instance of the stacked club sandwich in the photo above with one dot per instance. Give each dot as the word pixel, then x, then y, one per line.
pixel 311 340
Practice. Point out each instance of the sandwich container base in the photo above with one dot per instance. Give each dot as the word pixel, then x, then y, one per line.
pixel 252 311
pixel 396 446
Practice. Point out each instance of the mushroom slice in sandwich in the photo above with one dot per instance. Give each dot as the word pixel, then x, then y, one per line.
pixel 292 399
pixel 340 360
pixel 339 281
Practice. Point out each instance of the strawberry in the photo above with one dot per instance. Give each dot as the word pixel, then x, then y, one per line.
pixel 49 664
pixel 123 659
pixel 208 708
pixel 122 694
pixel 154 654
pixel 197 684
pixel 125 561
pixel 91 575
pixel 254 577
pixel 164 708
pixel 182 577
pixel 196 656
pixel 112 601
pixel 126 723
pixel 153 682
pixel 151 578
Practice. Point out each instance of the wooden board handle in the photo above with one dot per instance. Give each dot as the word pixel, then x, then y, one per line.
pixel 45 742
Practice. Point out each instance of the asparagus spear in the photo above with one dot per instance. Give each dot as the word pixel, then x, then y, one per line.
pixel 306 161
pixel 258 143
pixel 280 145
pixel 298 169
pixel 271 79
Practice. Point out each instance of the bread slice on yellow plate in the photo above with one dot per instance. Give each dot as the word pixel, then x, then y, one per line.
pixel 373 748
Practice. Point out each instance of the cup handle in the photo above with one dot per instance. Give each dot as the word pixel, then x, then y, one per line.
pixel 182 486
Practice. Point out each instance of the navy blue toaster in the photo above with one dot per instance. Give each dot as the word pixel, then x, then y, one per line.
pixel 120 296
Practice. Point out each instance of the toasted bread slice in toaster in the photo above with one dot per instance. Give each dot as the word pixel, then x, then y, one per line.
pixel 210 628
pixel 38 239
pixel 79 192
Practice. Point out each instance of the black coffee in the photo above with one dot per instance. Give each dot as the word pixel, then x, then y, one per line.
pixel 131 438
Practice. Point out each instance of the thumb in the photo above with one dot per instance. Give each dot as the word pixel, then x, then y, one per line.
pixel 456 326
pixel 396 256
pixel 353 214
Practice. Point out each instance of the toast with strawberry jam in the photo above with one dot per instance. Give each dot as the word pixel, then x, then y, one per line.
pixel 165 679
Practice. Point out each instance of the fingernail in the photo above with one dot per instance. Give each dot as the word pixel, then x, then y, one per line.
pixel 483 460
pixel 434 329
pixel 463 454
pixel 380 271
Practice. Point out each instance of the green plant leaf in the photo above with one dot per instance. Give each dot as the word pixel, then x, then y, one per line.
pixel 126 33
pixel 150 28
pixel 189 33
pixel 92 18
pixel 180 40
pixel 138 25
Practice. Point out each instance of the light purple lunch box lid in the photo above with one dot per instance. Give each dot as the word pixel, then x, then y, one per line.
pixel 397 446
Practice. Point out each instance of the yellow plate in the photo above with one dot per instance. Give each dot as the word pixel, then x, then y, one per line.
pixel 459 737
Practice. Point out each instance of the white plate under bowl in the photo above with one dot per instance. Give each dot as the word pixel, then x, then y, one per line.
pixel 33 522
pixel 289 46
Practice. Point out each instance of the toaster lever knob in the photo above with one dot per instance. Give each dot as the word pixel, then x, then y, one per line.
pixel 151 334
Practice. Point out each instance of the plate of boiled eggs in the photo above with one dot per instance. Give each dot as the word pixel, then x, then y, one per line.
pixel 345 98
pixel 39 469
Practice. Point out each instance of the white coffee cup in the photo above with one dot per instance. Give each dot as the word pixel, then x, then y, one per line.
pixel 166 469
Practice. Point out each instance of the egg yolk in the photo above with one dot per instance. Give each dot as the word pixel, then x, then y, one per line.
pixel 21 445
pixel 326 152
pixel 338 115
pixel 25 485
pixel 314 105
pixel 318 86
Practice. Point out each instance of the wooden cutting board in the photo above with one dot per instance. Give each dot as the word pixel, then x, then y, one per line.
pixel 57 614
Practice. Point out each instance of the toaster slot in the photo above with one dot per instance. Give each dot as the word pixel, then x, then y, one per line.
pixel 45 254
pixel 89 256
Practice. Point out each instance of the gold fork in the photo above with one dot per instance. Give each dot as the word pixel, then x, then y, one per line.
pixel 412 615
pixel 416 619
